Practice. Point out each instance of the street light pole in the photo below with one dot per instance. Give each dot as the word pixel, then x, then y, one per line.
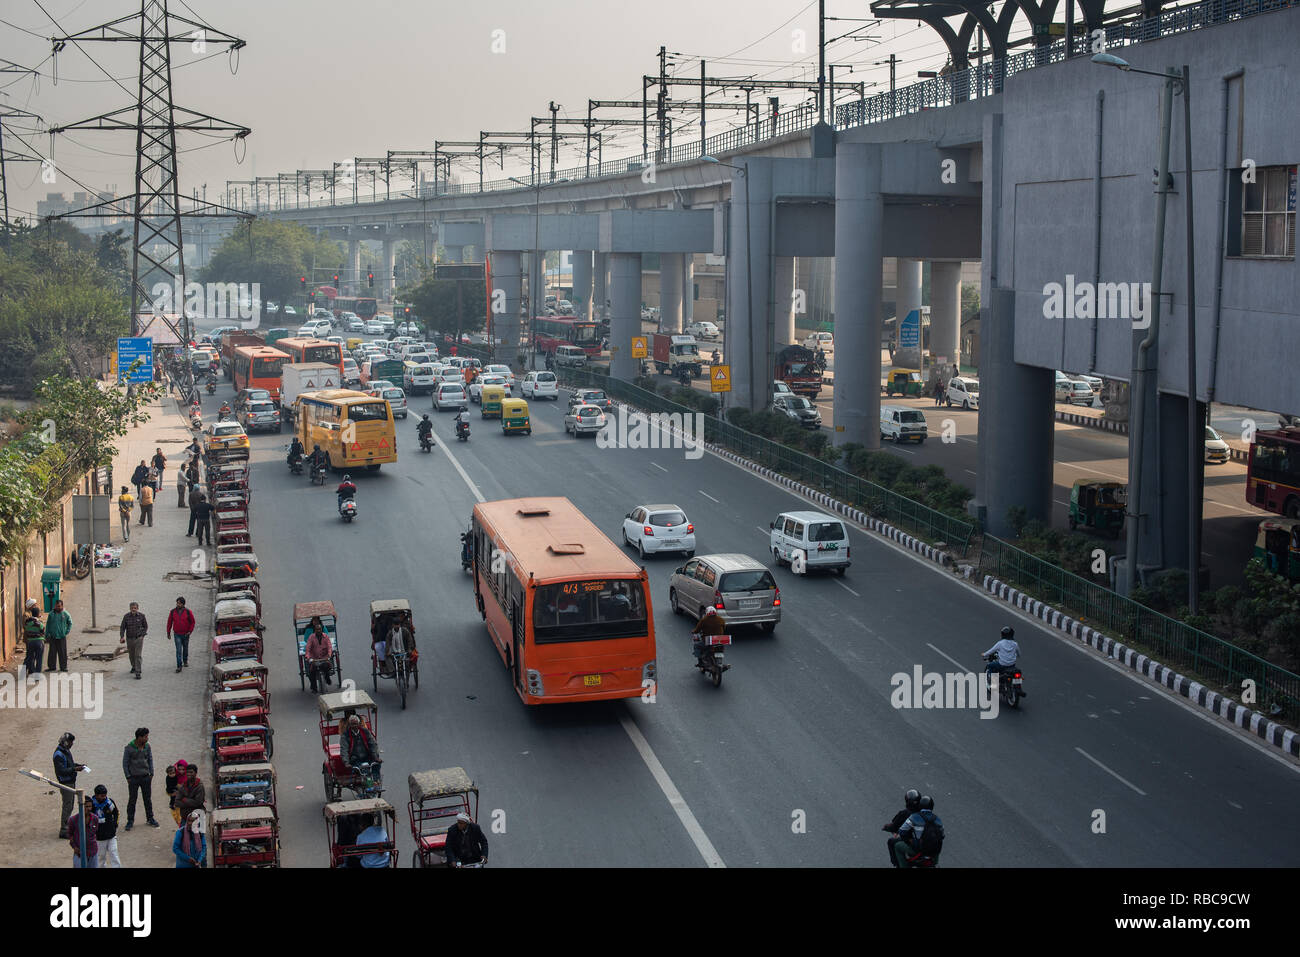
pixel 1195 428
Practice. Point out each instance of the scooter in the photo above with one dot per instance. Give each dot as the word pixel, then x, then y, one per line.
pixel 211 386
pixel 462 428
pixel 1010 685
pixel 710 661
pixel 684 377
pixel 426 441
pixel 295 464
pixel 348 509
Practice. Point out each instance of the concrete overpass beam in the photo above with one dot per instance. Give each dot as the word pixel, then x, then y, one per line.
pixel 670 292
pixel 625 312
pixel 353 273
pixel 859 215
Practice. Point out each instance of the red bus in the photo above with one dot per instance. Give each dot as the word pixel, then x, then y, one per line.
pixel 1273 472
pixel 551 332
pixel 365 308
pixel 258 367
pixel 306 349
pixel 568 611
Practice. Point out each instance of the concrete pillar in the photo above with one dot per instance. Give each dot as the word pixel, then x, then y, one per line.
pixel 670 292
pixel 908 298
pixel 536 284
pixel 783 299
pixel 1016 424
pixel 354 263
pixel 387 265
pixel 749 283
pixel 1162 534
pixel 600 285
pixel 859 220
pixel 625 313
pixel 688 289
pixel 507 275
pixel 945 314
pixel 582 267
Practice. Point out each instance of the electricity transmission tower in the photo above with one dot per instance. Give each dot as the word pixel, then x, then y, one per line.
pixel 157 249
pixel 12 156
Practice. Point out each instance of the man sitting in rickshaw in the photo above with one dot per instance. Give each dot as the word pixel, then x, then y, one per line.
pixel 359 747
pixel 466 843
pixel 374 834
pixel 393 633
pixel 318 652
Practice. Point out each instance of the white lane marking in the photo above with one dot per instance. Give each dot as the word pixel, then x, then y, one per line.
pixel 675 799
pixel 652 762
pixel 659 467
pixel 765 532
pixel 1111 773
pixel 1059 502
pixel 949 657
pixel 1084 468
pixel 846 588
pixel 1235 508
pixel 709 497
pixel 971 471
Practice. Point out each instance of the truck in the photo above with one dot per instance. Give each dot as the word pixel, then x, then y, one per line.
pixel 795 367
pixel 231 341
pixel 672 352
pixel 380 370
pixel 300 377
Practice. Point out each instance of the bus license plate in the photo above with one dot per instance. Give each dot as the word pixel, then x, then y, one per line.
pixel 591 680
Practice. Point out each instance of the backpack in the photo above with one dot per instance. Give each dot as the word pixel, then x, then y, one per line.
pixel 932 836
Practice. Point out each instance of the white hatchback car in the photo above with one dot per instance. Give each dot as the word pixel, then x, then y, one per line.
pixel 476 387
pixel 450 395
pixel 964 392
pixel 584 420
pixel 504 370
pixel 659 528
pixel 316 327
pixel 824 341
pixel 541 385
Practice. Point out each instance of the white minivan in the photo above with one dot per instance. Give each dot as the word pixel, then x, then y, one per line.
pixel 810 540
pixel 574 356
pixel 902 424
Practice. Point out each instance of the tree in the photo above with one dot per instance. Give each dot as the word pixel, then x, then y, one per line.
pixel 274 256
pixel 435 302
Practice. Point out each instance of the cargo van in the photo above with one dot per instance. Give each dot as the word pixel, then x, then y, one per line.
pixel 902 424
pixel 570 356
pixel 810 540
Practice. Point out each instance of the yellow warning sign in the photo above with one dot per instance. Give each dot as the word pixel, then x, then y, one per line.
pixel 639 347
pixel 720 378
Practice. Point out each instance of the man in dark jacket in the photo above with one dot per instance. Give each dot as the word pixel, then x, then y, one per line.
pixel 131 633
pixel 106 833
pixel 203 520
pixel 65 772
pixel 912 804
pixel 137 767
pixel 190 795
pixel 466 843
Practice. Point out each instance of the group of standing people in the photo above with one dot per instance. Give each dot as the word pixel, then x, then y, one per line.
pixel 51 634
pixel 148 480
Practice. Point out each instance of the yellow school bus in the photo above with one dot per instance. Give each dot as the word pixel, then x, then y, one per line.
pixel 353 429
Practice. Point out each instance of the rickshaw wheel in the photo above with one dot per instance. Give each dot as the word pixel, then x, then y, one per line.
pixel 374 672
pixel 302 676
pixel 270 743
pixel 416 860
pixel 329 791
pixel 415 673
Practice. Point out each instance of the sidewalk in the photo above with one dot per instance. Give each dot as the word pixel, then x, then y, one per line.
pixel 156 568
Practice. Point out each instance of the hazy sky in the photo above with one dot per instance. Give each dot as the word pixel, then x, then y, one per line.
pixel 325 80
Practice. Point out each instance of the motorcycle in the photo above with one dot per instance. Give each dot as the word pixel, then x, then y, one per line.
pixel 1010 685
pixel 224 413
pixel 462 428
pixel 426 441
pixel 82 561
pixel 295 464
pixel 211 386
pixel 710 662
pixel 318 475
pixel 684 377
pixel 348 509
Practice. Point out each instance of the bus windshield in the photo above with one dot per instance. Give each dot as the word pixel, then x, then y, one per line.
pixel 329 354
pixel 368 412
pixel 585 334
pixel 587 610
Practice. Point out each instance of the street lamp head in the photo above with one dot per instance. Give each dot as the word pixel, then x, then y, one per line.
pixel 706 158
pixel 1109 59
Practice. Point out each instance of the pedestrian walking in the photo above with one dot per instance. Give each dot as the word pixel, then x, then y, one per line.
pixel 190 793
pixel 34 637
pixel 159 462
pixel 202 520
pixel 154 480
pixel 131 633
pixel 146 504
pixel 65 772
pixel 189 845
pixel 57 627
pixel 137 767
pixel 938 392
pixel 180 625
pixel 125 502
pixel 73 834
pixel 182 488
pixel 196 496
pixel 106 833
pixel 140 476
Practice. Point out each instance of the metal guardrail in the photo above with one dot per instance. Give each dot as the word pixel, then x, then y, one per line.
pixel 984 79
pixel 877 501
pixel 1172 642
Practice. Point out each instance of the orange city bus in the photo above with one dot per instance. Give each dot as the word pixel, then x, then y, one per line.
pixel 259 367
pixel 568 611
pixel 307 349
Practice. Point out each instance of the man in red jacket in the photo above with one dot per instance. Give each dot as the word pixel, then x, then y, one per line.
pixel 180 625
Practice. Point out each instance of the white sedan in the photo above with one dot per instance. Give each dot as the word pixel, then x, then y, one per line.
pixel 540 385
pixel 659 528
pixel 374 327
pixel 584 420
pixel 502 370
pixel 476 387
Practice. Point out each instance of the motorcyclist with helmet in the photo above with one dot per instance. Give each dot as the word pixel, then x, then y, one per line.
pixel 462 421
pixel 425 429
pixel 911 804
pixel 914 848
pixel 295 451
pixel 710 623
pixel 316 459
pixel 347 489
pixel 1004 654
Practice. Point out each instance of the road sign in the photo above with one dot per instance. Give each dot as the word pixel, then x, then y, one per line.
pixel 90 519
pixel 639 347
pixel 909 334
pixel 720 378
pixel 130 349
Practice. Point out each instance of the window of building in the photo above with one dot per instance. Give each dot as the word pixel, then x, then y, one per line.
pixel 1268 211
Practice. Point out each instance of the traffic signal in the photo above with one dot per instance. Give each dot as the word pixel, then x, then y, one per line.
pixel 370 278
pixel 303 280
pixel 408 310
pixel 336 280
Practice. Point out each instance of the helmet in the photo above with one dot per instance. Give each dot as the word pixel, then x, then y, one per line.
pixel 912 799
pixel 1008 632
pixel 710 611
pixel 347 478
pixel 316 447
pixel 425 417
pixel 926 803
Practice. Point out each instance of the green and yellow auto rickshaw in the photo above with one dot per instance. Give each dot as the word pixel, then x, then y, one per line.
pixel 1098 505
pixel 904 382
pixel 514 417
pixel 1278 546
pixel 490 399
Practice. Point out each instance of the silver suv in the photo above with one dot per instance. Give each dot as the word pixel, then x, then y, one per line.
pixel 742 590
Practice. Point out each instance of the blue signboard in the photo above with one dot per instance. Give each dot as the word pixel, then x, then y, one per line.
pixel 128 351
pixel 909 334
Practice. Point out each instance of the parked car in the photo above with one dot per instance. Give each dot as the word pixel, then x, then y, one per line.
pixel 1093 382
pixel 798 408
pixel 742 590
pixel 963 392
pixel 659 528
pixel 260 415
pixel 540 385
pixel 1081 393
pixel 703 330
pixel 824 341
pixel 1216 450
pixel 450 395
pixel 584 420
pixel 1063 388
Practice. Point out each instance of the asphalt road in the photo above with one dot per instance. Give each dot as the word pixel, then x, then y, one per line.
pixel 800 756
